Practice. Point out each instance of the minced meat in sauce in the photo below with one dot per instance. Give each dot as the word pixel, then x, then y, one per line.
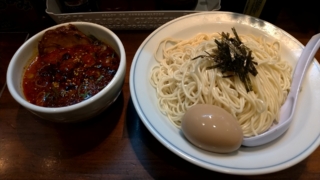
pixel 71 67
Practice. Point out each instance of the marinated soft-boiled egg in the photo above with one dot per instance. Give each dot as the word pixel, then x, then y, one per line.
pixel 212 128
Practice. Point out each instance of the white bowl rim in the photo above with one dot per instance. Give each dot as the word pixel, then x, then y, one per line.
pixel 32 107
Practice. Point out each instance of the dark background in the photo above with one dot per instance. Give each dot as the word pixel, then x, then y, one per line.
pixel 30 15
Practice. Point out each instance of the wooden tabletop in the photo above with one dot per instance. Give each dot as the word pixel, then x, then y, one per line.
pixel 116 144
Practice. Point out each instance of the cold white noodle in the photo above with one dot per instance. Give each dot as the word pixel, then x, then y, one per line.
pixel 181 82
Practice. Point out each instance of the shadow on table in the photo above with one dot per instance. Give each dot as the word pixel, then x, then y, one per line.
pixel 66 140
pixel 160 162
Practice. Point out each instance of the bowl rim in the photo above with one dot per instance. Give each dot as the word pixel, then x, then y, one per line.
pixel 52 110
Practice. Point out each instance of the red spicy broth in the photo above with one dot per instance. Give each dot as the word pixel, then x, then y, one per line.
pixel 69 75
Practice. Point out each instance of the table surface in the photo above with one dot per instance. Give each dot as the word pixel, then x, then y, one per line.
pixel 115 144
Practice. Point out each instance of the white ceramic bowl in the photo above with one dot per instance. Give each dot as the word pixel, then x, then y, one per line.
pixel 80 111
pixel 303 135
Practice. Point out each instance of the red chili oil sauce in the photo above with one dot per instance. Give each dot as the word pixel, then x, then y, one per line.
pixel 67 76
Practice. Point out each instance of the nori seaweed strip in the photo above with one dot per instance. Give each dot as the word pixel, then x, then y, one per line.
pixel 236 35
pixel 234 58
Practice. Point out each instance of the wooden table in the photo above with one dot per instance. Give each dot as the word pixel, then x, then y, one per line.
pixel 114 145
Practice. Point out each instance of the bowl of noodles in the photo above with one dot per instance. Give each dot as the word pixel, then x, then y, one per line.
pixel 181 68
